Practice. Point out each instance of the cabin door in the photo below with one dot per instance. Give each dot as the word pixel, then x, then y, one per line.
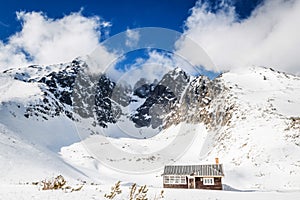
pixel 191 183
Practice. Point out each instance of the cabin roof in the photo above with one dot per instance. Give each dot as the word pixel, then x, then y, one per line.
pixel 195 170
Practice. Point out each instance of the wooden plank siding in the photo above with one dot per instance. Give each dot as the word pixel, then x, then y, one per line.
pixel 183 186
pixel 217 184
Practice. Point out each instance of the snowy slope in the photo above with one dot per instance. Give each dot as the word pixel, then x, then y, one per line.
pixel 29 146
pixel 25 162
pixel 258 143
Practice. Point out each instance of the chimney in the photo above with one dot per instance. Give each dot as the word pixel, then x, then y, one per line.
pixel 217 161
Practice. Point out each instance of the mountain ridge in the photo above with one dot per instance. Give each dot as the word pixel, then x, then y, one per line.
pixel 250 117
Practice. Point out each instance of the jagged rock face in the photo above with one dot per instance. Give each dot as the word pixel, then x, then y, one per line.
pixel 57 87
pixel 156 105
pixel 103 103
pixel 203 101
pixel 175 98
pixel 143 89
pixel 161 99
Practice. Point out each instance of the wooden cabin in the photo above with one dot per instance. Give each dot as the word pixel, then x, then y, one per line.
pixel 193 176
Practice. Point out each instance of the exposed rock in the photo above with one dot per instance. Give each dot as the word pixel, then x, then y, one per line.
pixel 177 97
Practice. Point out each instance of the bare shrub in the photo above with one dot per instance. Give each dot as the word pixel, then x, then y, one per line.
pixel 57 183
pixel 114 191
pixel 54 183
pixel 140 194
pixel 132 191
pixel 135 193
pixel 161 195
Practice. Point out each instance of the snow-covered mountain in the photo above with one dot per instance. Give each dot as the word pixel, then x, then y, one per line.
pixel 250 119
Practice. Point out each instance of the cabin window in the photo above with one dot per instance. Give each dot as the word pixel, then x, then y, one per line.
pixel 167 179
pixel 208 181
pixel 174 179
pixel 183 180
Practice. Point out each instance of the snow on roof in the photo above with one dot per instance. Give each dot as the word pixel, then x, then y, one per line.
pixel 195 170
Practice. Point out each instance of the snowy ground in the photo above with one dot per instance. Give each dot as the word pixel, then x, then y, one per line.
pixel 30 192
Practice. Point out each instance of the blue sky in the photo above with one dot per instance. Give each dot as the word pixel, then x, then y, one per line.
pixel 234 33
pixel 122 14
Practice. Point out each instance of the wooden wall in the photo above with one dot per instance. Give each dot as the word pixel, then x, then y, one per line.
pixel 216 186
pixel 176 186
pixel 199 184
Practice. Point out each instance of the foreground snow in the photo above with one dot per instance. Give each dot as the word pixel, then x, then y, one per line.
pixel 29 192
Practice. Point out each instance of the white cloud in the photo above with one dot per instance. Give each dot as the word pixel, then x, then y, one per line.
pixel 101 60
pixel 132 38
pixel 151 68
pixel 43 40
pixel 269 37
pixel 191 51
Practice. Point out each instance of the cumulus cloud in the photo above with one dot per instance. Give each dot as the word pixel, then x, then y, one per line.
pixel 43 40
pixel 268 37
pixel 132 38
pixel 150 68
pixel 193 53
pixel 101 60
